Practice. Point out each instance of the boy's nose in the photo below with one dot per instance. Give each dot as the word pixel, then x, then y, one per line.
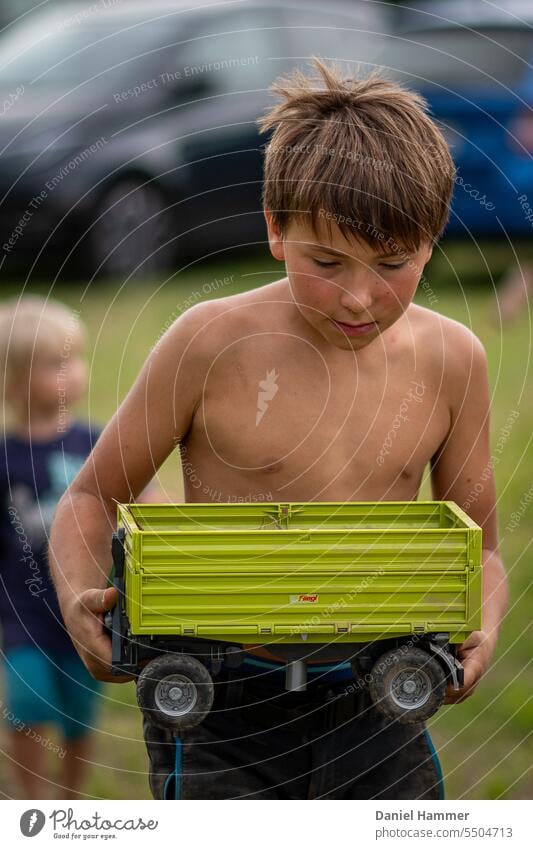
pixel 357 298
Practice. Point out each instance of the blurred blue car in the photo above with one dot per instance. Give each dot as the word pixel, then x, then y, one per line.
pixel 474 64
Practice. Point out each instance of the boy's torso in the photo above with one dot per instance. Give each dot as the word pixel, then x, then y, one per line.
pixel 284 417
pixel 281 418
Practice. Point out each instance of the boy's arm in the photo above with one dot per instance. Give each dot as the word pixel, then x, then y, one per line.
pixel 156 413
pixel 151 494
pixel 461 471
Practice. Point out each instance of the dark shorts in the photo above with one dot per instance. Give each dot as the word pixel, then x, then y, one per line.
pixel 264 743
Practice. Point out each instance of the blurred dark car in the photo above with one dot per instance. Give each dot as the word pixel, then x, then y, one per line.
pixel 127 134
pixel 473 61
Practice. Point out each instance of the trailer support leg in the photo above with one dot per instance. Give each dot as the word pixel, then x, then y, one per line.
pixel 296 675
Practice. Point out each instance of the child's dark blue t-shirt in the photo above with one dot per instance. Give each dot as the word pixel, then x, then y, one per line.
pixel 33 476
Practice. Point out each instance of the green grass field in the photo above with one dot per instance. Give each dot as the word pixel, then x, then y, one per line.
pixel 482 743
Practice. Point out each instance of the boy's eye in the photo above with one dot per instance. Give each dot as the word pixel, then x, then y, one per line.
pixel 393 264
pixel 323 263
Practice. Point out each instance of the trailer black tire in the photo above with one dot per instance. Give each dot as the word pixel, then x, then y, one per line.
pixel 175 692
pixel 407 684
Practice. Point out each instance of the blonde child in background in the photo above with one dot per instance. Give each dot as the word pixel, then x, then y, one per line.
pixel 42 345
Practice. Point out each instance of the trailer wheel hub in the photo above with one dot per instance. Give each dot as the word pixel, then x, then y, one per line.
pixel 175 695
pixel 411 688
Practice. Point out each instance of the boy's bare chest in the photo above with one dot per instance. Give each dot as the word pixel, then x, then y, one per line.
pixel 302 430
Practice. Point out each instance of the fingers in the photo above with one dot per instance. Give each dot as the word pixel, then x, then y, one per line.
pixel 453 697
pixel 102 673
pixel 99 601
pixel 96 655
pixel 473 672
pixel 86 630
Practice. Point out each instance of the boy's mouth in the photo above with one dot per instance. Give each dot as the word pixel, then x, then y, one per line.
pixel 354 329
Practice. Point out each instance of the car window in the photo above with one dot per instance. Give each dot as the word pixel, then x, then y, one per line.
pixel 233 52
pixel 357 39
pixel 458 57
pixel 74 53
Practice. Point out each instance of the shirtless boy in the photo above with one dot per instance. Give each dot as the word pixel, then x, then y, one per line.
pixel 326 385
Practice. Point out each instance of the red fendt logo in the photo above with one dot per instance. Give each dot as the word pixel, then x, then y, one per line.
pixel 308 597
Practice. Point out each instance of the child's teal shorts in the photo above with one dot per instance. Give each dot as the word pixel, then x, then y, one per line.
pixel 49 687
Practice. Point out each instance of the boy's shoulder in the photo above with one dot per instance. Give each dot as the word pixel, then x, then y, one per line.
pixel 439 332
pixel 267 294
pixel 211 319
pixel 452 350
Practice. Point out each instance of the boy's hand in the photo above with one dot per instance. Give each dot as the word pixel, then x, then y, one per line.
pixel 84 620
pixel 475 654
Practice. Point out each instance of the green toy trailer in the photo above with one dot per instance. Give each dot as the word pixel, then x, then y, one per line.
pixel 393 587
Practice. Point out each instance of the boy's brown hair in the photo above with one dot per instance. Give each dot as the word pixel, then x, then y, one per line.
pixel 364 152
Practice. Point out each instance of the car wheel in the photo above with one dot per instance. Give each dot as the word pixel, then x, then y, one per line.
pixel 131 233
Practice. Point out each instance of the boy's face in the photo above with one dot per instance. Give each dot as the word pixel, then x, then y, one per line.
pixel 352 295
pixel 55 380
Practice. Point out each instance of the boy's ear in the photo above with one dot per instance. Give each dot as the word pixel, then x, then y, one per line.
pixel 275 239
